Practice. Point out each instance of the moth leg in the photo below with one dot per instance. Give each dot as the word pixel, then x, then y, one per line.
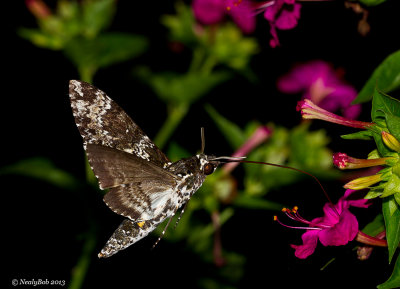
pixel 165 228
pixel 180 215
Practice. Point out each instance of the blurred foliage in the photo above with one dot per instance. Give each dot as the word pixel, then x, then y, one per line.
pixel 386 77
pixel 44 170
pixel 78 29
pixel 370 2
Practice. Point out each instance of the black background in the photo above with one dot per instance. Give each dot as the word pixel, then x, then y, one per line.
pixel 43 223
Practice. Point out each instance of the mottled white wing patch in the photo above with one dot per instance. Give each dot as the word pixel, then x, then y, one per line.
pixel 101 121
pixel 137 202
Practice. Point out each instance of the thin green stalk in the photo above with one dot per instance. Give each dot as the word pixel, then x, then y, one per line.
pixel 197 59
pixel 86 73
pixel 80 270
pixel 175 115
pixel 208 65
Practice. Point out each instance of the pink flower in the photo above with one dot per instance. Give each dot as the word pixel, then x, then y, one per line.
pixel 320 83
pixel 283 15
pixel 343 161
pixel 210 12
pixel 336 228
pixel 261 134
pixel 38 8
pixel 310 110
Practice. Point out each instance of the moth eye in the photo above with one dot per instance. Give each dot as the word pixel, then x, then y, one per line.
pixel 208 169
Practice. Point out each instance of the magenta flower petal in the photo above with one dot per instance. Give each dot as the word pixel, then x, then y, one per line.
pixel 213 11
pixel 271 11
pixel 288 18
pixel 301 77
pixel 320 83
pixel 360 203
pixel 331 214
pixel 242 14
pixel 340 98
pixel 310 241
pixel 274 41
pixel 341 233
pixel 283 15
pixel 337 227
pixel 208 11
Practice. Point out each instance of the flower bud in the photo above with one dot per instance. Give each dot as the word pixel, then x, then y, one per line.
pixel 363 182
pixel 390 141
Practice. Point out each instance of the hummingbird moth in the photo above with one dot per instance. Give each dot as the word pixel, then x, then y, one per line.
pixel 143 185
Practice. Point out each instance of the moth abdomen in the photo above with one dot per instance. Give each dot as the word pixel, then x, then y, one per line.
pixel 128 233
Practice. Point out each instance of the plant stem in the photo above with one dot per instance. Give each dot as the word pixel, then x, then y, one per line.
pixel 175 115
pixel 86 74
pixel 80 270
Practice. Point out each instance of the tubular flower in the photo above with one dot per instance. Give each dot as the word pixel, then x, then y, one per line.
pixel 337 227
pixel 363 182
pixel 343 161
pixel 38 8
pixel 310 110
pixel 261 134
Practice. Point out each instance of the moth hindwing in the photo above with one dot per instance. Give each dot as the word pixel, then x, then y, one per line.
pixel 144 185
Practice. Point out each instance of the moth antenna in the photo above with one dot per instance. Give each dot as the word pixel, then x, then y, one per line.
pixel 203 140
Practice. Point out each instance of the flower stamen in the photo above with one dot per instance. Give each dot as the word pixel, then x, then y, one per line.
pixel 294 215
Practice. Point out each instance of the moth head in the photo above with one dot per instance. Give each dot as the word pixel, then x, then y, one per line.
pixel 207 164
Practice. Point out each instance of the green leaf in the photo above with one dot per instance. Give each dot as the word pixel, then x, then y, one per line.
pixel 232 133
pixel 91 54
pixel 231 47
pixel 181 88
pixel 397 198
pixel 393 124
pixel 386 76
pixel 97 15
pixel 362 135
pixel 44 170
pixel 383 104
pixel 371 2
pixel 180 25
pixel 308 148
pixel 391 213
pixel 375 227
pixel 373 193
pixel 392 186
pixel 394 279
pixel 41 38
pixel 382 107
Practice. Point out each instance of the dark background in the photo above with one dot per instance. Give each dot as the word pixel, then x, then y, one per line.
pixel 43 223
